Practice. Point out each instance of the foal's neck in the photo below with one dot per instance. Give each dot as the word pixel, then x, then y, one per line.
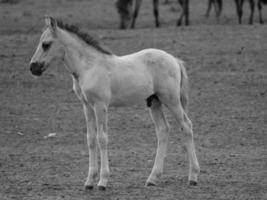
pixel 79 57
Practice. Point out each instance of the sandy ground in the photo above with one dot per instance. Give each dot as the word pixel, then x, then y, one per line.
pixel 226 65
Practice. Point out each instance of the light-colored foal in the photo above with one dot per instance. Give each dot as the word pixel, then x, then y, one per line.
pixel 102 79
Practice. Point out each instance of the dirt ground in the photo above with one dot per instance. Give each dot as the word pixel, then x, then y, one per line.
pixel 226 64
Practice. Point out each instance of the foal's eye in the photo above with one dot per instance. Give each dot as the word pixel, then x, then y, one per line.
pixel 46 45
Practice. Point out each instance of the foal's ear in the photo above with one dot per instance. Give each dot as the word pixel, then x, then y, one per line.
pixel 51 22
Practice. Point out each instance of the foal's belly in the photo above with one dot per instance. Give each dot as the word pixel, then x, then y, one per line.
pixel 136 98
pixel 131 91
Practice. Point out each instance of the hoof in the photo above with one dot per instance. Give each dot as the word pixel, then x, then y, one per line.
pixel 102 188
pixel 192 183
pixel 150 184
pixel 88 187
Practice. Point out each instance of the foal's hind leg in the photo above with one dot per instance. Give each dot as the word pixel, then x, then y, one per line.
pixel 162 131
pixel 188 141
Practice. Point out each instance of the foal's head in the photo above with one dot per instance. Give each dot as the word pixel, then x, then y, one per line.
pixel 48 49
pixel 125 10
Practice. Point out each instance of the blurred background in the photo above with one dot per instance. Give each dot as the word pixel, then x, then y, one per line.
pixel 25 16
pixel 226 64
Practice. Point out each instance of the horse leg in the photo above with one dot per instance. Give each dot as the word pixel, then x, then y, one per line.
pixel 92 142
pixel 220 5
pixel 239 10
pixel 188 141
pixel 241 2
pixel 136 11
pixel 162 132
pixel 156 12
pixel 186 12
pixel 252 8
pixel 122 24
pixel 182 4
pixel 102 139
pixel 218 8
pixel 91 135
pixel 209 7
pixel 260 9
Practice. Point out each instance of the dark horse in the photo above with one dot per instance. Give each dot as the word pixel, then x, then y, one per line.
pixel 128 11
pixel 217 7
pixel 239 8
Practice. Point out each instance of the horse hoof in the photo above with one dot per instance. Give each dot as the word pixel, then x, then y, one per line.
pixel 102 188
pixel 88 187
pixel 192 183
pixel 150 184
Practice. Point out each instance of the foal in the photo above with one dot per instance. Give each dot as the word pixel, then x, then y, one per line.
pixel 129 9
pixel 102 79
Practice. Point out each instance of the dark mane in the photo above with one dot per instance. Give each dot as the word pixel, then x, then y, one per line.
pixel 88 39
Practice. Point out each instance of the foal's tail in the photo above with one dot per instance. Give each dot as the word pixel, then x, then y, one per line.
pixel 183 85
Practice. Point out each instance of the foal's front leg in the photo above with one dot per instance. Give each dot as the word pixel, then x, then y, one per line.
pixel 102 138
pixel 92 145
pixel 91 135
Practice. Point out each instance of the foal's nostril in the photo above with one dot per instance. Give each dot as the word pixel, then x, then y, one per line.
pixel 36 68
pixel 32 66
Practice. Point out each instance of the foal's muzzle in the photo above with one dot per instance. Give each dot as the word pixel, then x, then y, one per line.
pixel 37 68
